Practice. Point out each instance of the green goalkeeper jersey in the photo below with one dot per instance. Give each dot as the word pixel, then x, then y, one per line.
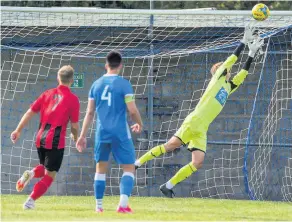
pixel 215 96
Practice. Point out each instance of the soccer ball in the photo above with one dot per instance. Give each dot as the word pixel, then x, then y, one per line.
pixel 260 12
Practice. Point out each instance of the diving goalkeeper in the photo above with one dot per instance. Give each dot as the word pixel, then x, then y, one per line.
pixel 194 129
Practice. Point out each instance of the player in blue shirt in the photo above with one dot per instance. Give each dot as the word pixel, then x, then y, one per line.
pixel 110 97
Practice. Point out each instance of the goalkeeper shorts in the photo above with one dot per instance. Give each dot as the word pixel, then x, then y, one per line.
pixel 195 140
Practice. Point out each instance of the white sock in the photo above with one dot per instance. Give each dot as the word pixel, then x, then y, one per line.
pixel 169 185
pixel 98 203
pixel 29 199
pixel 29 204
pixel 137 163
pixel 124 200
pixel 99 176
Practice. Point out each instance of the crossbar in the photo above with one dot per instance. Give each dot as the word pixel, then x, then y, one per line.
pixel 208 11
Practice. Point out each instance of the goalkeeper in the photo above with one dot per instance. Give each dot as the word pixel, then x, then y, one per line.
pixel 194 128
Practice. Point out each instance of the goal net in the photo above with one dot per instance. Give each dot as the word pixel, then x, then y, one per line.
pixel 167 58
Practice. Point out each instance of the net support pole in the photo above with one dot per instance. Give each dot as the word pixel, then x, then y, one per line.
pixel 150 98
pixel 248 190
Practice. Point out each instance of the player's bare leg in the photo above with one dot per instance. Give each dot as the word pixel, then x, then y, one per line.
pixel 99 184
pixel 172 144
pixel 198 157
pixel 39 189
pixel 52 174
pixel 169 146
pixel 126 187
pixel 186 171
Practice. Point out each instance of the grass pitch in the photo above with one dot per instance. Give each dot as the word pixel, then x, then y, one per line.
pixel 68 208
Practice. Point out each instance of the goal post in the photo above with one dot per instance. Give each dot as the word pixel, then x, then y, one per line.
pixel 167 57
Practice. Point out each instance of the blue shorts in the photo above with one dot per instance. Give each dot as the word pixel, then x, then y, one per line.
pixel 123 151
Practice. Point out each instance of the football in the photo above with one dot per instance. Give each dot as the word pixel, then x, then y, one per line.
pixel 260 12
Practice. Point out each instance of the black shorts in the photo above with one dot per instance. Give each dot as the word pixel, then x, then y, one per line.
pixel 51 158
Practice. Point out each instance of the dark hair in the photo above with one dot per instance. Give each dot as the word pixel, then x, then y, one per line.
pixel 66 74
pixel 114 59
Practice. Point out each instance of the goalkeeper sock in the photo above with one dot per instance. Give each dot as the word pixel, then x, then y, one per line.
pixel 99 188
pixel 126 187
pixel 151 154
pixel 38 171
pixel 41 187
pixel 181 175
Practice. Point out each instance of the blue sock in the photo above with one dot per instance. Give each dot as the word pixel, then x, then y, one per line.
pixel 99 187
pixel 126 187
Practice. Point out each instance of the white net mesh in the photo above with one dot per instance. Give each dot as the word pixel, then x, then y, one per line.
pixel 167 62
pixel 276 133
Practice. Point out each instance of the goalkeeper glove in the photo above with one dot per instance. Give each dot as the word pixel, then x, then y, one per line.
pixel 248 34
pixel 255 46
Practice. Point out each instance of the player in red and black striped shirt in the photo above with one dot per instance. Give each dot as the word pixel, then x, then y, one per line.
pixel 57 107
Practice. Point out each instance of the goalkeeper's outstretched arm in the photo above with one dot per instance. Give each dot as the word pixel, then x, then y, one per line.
pixel 229 62
pixel 240 77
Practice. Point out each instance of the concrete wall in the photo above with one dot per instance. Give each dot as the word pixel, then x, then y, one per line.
pixel 179 82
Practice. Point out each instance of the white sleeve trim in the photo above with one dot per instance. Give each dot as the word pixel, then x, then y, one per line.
pixel 129 95
pixel 90 98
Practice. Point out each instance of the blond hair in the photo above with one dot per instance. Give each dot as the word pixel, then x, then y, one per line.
pixel 66 74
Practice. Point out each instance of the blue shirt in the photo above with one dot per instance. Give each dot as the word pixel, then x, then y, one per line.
pixel 109 93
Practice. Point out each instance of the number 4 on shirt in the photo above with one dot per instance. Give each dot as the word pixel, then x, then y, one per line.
pixel 106 95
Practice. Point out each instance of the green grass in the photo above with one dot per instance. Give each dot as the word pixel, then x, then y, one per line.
pixel 53 208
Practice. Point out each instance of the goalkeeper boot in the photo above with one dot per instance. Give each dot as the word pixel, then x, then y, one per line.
pixel 166 192
pixel 29 204
pixel 124 210
pixel 24 180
